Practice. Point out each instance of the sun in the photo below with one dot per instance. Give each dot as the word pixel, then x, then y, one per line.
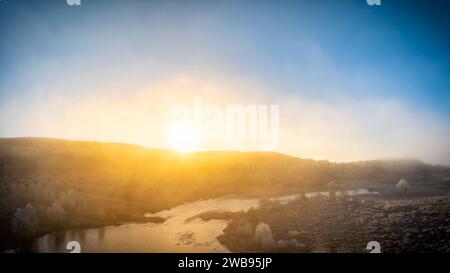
pixel 183 138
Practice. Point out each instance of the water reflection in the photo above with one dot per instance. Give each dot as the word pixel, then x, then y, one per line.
pixel 101 233
pixel 174 235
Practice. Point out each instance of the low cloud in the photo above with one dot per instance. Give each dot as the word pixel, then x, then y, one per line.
pixel 344 129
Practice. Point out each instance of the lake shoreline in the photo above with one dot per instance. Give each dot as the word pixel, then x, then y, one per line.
pixel 204 216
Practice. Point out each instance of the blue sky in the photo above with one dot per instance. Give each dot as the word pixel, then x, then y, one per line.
pixel 329 52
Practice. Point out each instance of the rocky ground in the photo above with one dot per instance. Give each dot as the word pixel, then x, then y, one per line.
pixel 341 224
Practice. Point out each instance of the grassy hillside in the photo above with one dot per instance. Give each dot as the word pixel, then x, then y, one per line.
pixel 97 183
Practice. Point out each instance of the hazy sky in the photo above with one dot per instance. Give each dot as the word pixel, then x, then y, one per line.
pixel 353 81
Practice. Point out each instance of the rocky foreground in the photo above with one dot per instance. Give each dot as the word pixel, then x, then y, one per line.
pixel 341 224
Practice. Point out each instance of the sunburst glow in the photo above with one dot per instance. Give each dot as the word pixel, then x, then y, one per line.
pixel 183 138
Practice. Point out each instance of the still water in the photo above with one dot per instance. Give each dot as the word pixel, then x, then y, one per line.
pixel 174 235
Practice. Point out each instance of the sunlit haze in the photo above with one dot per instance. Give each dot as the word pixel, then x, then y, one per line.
pixel 259 127
pixel 349 82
